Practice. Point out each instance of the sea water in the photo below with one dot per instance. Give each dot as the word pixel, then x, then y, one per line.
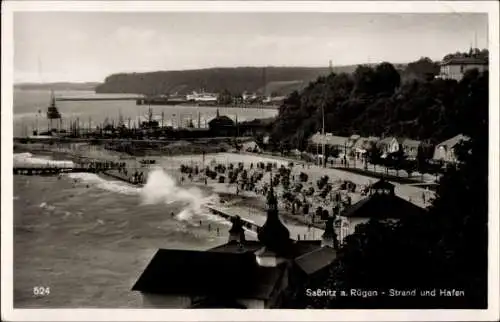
pixel 88 238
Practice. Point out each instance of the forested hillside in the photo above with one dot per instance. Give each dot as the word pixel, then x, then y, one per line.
pixel 447 248
pixel 376 101
pixel 281 80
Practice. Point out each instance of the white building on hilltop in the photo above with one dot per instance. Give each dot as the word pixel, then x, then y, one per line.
pixel 456 67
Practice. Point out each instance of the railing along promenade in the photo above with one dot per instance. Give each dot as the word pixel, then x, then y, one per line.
pixel 246 223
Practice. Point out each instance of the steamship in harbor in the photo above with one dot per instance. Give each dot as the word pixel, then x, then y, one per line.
pixel 52 115
pixel 202 98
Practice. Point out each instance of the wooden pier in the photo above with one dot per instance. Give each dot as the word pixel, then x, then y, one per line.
pixel 50 171
pixel 88 165
pixel 72 99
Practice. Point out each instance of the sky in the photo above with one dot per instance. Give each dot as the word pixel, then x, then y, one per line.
pixel 88 46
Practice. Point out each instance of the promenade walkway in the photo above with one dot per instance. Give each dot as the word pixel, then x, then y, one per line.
pixel 374 171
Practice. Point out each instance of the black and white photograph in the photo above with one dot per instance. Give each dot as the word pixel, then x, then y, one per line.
pixel 196 156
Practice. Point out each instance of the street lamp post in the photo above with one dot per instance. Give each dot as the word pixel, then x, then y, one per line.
pixel 323 127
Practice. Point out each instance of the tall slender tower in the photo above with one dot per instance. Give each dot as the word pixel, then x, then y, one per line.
pixel 323 128
pixel 475 39
pixel 120 118
pixel 264 81
pixel 331 67
pixel 237 126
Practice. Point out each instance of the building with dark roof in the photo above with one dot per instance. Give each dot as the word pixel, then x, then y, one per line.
pixel 381 204
pixel 445 151
pixel 260 273
pixel 222 125
pixel 332 144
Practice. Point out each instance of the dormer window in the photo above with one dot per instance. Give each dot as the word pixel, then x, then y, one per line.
pixel 382 187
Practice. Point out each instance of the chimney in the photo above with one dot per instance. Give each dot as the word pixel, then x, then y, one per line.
pixel 236 233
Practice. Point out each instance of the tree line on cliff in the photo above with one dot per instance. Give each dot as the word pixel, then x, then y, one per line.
pixel 234 80
pixel 445 250
pixel 278 80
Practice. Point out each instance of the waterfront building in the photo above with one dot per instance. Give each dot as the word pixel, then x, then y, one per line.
pixel 256 127
pixel 331 143
pixel 389 145
pixel 456 67
pixel 251 146
pixel 445 151
pixel 222 125
pixel 363 145
pixel 411 148
pixel 249 97
pixel 381 204
pixel 256 274
pixel 277 100
pixel 351 142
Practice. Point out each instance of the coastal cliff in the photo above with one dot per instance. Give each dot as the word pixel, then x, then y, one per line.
pixel 277 80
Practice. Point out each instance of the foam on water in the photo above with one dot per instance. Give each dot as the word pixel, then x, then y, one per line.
pixel 162 188
pixel 44 205
pixel 27 158
pixel 113 186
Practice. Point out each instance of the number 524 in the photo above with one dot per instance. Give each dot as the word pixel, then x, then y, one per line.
pixel 41 290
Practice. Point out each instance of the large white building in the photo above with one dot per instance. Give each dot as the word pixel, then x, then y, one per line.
pixel 456 67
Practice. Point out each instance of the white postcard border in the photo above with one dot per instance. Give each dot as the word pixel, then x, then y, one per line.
pixel 457 7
